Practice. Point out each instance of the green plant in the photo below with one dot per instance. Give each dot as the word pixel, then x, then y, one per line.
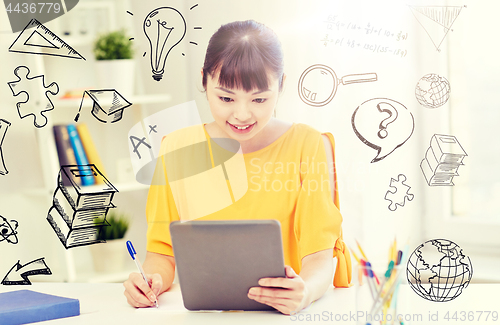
pixel 113 46
pixel 118 226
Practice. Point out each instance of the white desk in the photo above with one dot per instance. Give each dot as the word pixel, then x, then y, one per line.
pixel 106 304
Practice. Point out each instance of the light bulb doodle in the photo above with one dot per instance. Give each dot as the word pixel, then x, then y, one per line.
pixel 164 27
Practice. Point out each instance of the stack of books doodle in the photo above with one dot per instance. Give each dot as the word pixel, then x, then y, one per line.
pixel 442 160
pixel 78 213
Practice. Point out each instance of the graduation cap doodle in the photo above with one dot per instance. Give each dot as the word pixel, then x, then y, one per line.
pixel 108 105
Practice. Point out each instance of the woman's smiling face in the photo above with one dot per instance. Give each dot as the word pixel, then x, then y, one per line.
pixel 241 114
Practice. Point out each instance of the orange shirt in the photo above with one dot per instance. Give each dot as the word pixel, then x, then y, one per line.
pixel 288 181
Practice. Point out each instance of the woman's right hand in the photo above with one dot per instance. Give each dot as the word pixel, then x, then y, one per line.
pixel 138 293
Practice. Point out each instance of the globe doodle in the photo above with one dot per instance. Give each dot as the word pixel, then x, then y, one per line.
pixel 432 90
pixel 438 270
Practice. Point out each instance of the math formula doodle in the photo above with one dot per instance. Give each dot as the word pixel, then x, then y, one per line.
pixel 367 37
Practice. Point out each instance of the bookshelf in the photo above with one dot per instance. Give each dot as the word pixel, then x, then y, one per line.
pixel 50 169
pixel 136 100
pixel 124 187
pixel 63 113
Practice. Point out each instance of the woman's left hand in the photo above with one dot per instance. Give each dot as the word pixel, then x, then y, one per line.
pixel 288 295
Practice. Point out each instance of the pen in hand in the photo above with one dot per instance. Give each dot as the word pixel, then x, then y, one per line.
pixel 133 254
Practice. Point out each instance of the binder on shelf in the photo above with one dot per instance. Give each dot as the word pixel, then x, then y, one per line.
pixel 80 155
pixel 90 149
pixel 65 150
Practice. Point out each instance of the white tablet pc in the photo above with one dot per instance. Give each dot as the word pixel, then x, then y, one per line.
pixel 219 261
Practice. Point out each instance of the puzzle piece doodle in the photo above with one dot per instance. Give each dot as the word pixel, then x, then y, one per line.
pixel 36 103
pixel 399 193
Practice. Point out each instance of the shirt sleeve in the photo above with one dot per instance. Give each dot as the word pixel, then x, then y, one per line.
pixel 160 209
pixel 317 220
pixel 343 273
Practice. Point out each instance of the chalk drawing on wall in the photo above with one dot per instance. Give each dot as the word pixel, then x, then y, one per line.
pixel 382 124
pixel 8 231
pixel 437 21
pixel 442 160
pixel 318 84
pixel 432 90
pixel 398 194
pixel 18 274
pixel 36 103
pixel 438 270
pixel 4 126
pixel 79 212
pixel 38 39
pixel 107 105
pixel 157 56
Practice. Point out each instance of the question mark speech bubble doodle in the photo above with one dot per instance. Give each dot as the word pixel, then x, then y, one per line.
pixel 393 115
pixel 382 124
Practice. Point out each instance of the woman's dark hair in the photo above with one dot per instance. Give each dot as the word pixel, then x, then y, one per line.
pixel 245 52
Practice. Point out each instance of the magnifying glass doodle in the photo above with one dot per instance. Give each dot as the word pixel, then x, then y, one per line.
pixel 318 84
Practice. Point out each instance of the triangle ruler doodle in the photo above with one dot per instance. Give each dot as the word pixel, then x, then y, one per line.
pixel 436 21
pixel 40 37
pixel 37 39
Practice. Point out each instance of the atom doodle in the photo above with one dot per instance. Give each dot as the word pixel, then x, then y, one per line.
pixel 8 231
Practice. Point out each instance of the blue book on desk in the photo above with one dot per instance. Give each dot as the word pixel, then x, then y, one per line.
pixel 80 155
pixel 26 306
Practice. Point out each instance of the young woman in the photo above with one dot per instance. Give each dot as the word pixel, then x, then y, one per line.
pixel 289 169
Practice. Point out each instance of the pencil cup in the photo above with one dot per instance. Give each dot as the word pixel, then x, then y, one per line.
pixel 377 294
